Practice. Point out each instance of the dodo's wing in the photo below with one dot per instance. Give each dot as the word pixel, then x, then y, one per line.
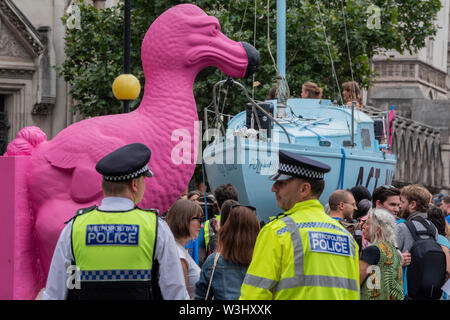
pixel 78 148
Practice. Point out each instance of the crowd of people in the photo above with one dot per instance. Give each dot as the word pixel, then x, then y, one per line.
pixel 376 221
pixel 391 244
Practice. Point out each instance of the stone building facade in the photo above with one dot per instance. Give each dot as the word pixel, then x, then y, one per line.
pixel 418 85
pixel 31 45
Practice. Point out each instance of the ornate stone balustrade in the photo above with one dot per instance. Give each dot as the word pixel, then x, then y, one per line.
pixel 418 149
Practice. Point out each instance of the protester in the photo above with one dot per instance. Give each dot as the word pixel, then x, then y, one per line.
pixel 436 216
pixel 437 199
pixel 208 235
pixel 351 92
pixel 194 195
pixel 272 94
pixel 117 243
pixel 226 209
pixel 380 263
pixel 226 268
pixel 311 90
pixel 414 203
pixel 445 207
pixel 342 205
pixel 290 260
pixel 363 200
pixel 387 197
pixel 185 219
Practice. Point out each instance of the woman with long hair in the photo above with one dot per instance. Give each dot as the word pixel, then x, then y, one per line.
pixel 380 265
pixel 185 219
pixel 236 240
pixel 311 90
pixel 351 92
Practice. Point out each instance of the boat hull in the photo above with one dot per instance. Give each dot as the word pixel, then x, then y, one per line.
pixel 248 164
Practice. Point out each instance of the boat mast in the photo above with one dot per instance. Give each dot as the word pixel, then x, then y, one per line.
pixel 281 40
pixel 281 58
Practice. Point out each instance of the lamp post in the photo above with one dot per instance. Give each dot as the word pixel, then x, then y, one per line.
pixel 126 50
pixel 126 87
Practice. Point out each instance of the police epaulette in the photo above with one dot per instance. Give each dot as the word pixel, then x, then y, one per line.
pixel 154 210
pixel 81 211
pixel 278 216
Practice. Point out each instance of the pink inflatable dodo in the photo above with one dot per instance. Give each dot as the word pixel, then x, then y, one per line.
pixel 179 43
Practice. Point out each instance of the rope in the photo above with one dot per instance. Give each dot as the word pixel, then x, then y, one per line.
pixel 341 175
pixel 349 55
pixel 329 52
pixel 254 44
pixel 348 46
pixel 268 38
pixel 204 191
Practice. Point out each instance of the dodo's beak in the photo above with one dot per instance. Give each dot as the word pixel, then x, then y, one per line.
pixel 253 59
pixel 235 59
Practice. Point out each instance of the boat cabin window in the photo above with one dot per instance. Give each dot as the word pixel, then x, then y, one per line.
pixel 365 136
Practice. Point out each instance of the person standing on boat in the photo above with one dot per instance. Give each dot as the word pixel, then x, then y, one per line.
pixel 351 92
pixel 311 90
pixel 302 253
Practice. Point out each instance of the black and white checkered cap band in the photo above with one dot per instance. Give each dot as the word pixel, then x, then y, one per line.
pixel 292 170
pixel 127 176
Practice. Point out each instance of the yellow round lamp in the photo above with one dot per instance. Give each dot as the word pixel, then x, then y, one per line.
pixel 126 87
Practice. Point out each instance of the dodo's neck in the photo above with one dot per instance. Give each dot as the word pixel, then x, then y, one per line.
pixel 167 89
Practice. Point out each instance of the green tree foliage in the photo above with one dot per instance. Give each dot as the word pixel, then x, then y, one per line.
pixel 95 51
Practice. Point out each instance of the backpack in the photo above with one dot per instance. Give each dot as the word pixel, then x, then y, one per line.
pixel 426 273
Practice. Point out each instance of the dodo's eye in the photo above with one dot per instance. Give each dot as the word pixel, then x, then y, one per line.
pixel 215 29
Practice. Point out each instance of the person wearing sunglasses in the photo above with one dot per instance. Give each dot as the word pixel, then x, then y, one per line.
pixel 185 219
pixel 302 254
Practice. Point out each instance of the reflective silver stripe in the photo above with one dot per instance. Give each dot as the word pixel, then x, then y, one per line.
pixel 259 282
pixel 300 279
pixel 314 225
pixel 115 275
pixel 296 243
pixel 317 281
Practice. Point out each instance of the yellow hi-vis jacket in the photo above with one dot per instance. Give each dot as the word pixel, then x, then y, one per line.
pixel 114 246
pixel 304 255
pixel 209 233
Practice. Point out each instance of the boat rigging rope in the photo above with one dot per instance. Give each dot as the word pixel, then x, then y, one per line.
pixel 348 47
pixel 333 70
pixel 254 45
pixel 349 55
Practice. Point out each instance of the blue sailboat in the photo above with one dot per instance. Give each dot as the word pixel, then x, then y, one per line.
pixel 245 154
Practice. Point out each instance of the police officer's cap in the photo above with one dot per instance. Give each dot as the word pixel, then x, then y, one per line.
pixel 126 163
pixel 293 165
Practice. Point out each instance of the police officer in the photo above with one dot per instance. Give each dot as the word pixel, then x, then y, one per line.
pixel 303 253
pixel 117 250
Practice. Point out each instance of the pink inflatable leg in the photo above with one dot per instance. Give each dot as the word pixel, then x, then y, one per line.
pixel 19 272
